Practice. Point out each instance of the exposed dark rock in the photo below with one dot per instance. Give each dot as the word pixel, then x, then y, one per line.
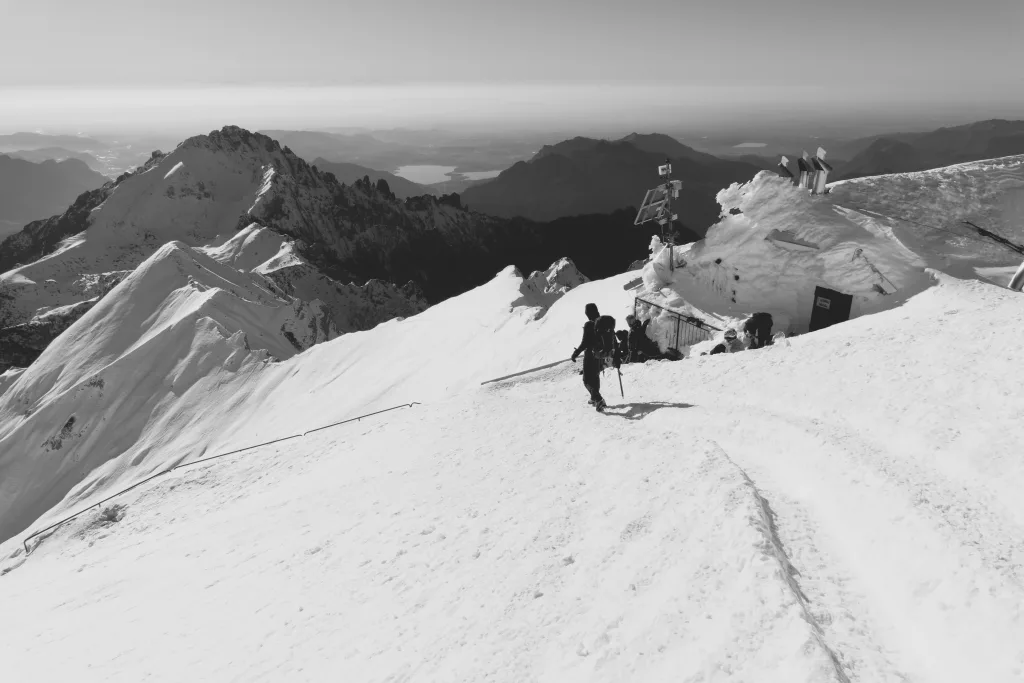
pixel 22 344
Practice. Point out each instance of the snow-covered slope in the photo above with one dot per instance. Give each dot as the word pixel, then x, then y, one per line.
pixel 420 358
pixel 871 238
pixel 201 194
pixel 734 517
pixel 180 324
pixel 352 307
pixel 841 506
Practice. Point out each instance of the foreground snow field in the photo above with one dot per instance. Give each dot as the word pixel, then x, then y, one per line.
pixel 842 506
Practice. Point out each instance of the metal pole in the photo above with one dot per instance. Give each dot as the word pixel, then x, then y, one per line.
pixel 668 205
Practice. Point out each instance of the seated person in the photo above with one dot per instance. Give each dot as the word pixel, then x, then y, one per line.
pixel 730 344
pixel 641 347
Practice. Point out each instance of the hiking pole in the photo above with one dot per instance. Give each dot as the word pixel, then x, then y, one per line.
pixel 526 372
pixel 619 370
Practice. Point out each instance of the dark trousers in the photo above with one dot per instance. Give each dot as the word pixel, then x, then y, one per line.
pixel 592 377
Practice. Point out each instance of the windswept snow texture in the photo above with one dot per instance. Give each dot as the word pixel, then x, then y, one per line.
pixel 93 406
pixel 351 307
pixel 841 507
pixel 871 238
pixel 182 341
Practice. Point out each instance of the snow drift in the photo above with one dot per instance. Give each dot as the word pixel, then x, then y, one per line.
pixel 871 238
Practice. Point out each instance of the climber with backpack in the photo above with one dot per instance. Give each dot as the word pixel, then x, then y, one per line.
pixel 600 350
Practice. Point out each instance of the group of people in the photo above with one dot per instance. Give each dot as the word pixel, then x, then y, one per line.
pixel 603 347
pixel 758 330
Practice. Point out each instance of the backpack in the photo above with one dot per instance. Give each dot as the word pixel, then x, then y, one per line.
pixel 759 327
pixel 605 342
pixel 758 321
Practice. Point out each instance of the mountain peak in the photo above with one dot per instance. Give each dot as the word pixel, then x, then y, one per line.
pixel 231 139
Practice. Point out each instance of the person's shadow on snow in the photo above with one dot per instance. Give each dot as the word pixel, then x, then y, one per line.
pixel 638 411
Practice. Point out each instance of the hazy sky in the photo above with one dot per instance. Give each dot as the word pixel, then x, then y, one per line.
pixel 262 63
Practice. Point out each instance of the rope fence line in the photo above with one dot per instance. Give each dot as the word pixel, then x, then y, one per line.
pixel 196 462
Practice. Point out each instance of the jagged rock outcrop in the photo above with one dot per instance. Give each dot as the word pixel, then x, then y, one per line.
pixel 544 287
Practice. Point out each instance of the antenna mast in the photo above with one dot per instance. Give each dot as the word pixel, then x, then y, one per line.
pixel 657 206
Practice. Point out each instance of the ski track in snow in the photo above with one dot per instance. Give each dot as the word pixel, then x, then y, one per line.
pixel 385 528
pixel 828 487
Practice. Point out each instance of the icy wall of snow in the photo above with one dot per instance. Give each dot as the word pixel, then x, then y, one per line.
pixel 776 243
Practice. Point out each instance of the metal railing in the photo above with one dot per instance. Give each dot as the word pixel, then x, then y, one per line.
pixel 686 331
pixel 196 462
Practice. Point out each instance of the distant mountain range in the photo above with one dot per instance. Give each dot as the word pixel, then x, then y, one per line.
pixel 905 152
pixel 586 176
pixel 31 191
pixel 75 143
pixel 249 204
pixel 109 157
pixel 56 154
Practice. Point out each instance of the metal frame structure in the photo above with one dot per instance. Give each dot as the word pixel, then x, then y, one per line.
pixel 687 329
pixel 657 206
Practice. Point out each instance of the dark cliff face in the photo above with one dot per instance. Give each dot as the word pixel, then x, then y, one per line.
pixel 362 231
pixel 22 344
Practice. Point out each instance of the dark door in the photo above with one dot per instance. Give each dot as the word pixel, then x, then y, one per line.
pixel 830 307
